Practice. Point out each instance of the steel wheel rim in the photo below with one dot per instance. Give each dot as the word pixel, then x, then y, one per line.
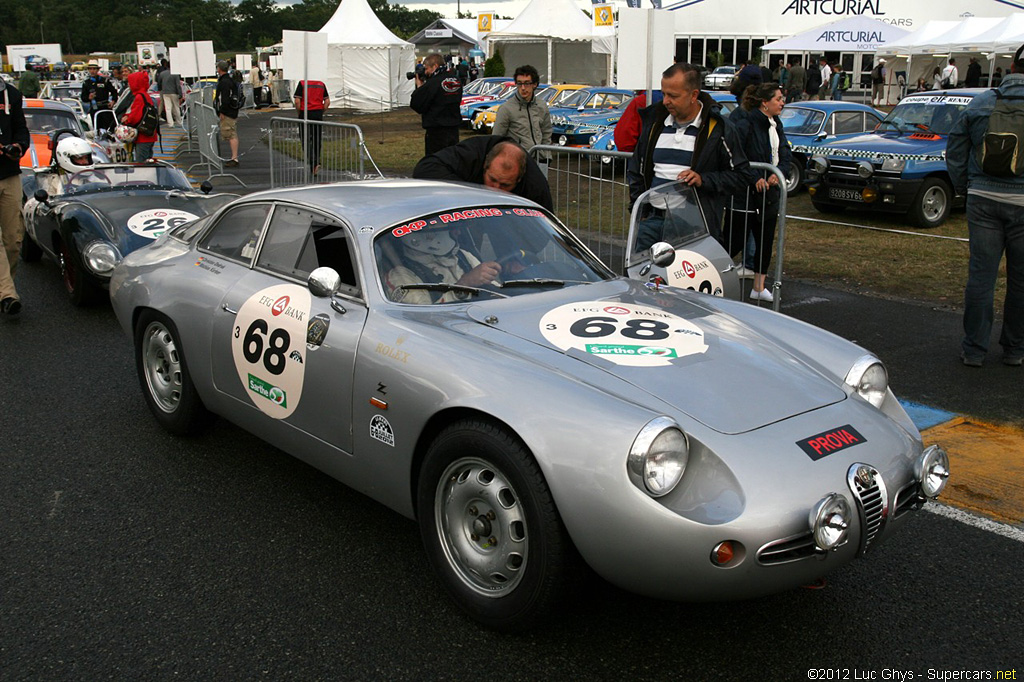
pixel 792 180
pixel 162 367
pixel 934 203
pixel 481 526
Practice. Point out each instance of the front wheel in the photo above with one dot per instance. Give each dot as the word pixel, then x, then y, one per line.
pixel 795 177
pixel 80 289
pixel 30 251
pixel 932 203
pixel 490 526
pixel 164 377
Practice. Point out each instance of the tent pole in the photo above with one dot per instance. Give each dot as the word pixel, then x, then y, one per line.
pixel 550 76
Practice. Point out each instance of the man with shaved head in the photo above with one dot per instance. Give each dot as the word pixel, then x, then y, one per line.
pixel 492 161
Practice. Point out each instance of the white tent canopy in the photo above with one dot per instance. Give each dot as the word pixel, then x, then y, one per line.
pixel 555 37
pixel 853 34
pixel 366 63
pixel 960 38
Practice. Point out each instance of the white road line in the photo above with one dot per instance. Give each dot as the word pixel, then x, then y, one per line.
pixel 1012 532
pixel 877 229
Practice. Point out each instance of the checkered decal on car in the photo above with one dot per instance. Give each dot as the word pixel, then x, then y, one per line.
pixel 870 156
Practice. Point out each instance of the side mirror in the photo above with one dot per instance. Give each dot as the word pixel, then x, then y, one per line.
pixel 206 187
pixel 41 196
pixel 662 254
pixel 324 282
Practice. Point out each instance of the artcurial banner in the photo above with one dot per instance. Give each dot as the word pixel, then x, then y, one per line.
pixel 781 18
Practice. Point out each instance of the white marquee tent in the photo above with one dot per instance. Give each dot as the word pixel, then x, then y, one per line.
pixel 366 63
pixel 555 37
pixel 853 34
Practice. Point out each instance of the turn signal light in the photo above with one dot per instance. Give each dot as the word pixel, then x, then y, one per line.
pixel 869 194
pixel 723 553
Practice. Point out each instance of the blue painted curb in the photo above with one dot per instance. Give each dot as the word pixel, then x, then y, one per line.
pixel 924 416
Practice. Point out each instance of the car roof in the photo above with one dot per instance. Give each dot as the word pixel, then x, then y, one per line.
pixel 384 202
pixel 827 105
pixel 36 103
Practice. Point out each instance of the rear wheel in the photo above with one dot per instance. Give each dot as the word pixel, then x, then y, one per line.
pixel 79 288
pixel 30 251
pixel 932 204
pixel 164 377
pixel 490 526
pixel 795 177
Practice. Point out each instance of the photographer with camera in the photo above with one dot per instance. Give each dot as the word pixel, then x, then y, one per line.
pixel 15 140
pixel 436 99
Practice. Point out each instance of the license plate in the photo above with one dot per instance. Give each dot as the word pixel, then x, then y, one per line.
pixel 846 194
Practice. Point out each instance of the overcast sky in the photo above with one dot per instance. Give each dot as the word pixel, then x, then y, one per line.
pixel 506 8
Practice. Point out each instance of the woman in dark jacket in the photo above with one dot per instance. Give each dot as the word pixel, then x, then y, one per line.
pixel 763 139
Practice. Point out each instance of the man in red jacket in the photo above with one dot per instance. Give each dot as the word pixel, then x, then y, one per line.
pixel 311 99
pixel 139 84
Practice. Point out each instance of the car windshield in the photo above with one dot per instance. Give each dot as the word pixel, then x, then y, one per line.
pixel 117 177
pixel 492 88
pixel 925 113
pixel 65 91
pixel 801 121
pixel 577 98
pixel 46 121
pixel 446 257
pixel 668 213
pixel 474 87
pixel 725 69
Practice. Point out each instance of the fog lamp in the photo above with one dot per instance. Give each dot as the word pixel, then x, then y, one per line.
pixel 830 522
pixel 933 471
pixel 869 194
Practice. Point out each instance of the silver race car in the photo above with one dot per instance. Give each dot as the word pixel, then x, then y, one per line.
pixel 458 355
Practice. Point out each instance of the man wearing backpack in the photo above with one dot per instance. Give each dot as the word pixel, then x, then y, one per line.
pixel 142 116
pixel 878 75
pixel 984 167
pixel 227 104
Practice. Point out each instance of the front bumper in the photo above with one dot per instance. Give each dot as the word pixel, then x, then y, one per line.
pixel 888 193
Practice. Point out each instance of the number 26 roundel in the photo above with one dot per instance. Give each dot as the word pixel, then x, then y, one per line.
pixel 268 345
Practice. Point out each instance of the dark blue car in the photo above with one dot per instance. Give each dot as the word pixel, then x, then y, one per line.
pixel 900 167
pixel 811 123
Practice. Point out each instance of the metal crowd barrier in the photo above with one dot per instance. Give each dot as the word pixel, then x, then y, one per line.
pixel 591 197
pixel 303 152
pixel 207 126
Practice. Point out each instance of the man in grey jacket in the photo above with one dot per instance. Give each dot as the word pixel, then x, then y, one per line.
pixel 524 118
pixel 994 185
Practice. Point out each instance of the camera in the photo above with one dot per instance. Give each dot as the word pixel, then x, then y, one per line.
pixel 409 75
pixel 12 151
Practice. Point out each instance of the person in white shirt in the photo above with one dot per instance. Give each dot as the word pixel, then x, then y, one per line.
pixel 950 75
pixel 826 79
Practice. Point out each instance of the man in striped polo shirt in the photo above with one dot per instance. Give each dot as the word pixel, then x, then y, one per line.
pixel 684 137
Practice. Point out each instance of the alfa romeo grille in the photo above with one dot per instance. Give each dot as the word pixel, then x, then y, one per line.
pixel 786 550
pixel 868 489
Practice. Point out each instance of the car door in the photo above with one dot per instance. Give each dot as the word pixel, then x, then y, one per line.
pixel 673 213
pixel 285 356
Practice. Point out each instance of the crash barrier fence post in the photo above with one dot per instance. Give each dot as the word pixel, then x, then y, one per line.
pixel 591 196
pixel 748 221
pixel 303 152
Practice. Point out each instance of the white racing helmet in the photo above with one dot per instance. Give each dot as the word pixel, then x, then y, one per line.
pixel 125 133
pixel 433 242
pixel 74 154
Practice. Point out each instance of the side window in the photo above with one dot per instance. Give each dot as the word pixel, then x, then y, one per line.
pixel 848 122
pixel 299 241
pixel 237 233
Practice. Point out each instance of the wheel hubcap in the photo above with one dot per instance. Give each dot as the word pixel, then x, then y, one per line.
pixel 482 526
pixel 162 367
pixel 934 203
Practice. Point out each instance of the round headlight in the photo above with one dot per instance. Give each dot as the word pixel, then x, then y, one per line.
pixel 865 169
pixel 562 139
pixel 869 378
pixel 830 521
pixel 933 471
pixel 819 164
pixel 659 456
pixel 101 257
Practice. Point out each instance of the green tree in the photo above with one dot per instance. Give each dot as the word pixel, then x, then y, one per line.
pixel 495 66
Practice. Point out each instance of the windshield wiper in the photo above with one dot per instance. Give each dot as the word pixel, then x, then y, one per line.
pixel 536 281
pixel 892 123
pixel 443 286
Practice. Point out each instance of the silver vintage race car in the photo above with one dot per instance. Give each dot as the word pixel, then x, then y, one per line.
pixel 458 355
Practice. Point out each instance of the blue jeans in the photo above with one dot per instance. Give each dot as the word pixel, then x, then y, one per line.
pixel 995 227
pixel 143 151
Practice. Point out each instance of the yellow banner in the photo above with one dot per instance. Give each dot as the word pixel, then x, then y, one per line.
pixel 603 16
pixel 485 22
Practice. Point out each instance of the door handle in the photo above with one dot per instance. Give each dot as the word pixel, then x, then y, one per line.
pixel 226 308
pixel 338 307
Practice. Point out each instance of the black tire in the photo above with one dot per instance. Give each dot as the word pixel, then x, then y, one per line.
pixel 80 289
pixel 795 177
pixel 30 251
pixel 504 557
pixel 932 204
pixel 164 377
pixel 826 208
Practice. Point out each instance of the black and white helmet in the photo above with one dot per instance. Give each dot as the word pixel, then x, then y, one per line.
pixel 74 154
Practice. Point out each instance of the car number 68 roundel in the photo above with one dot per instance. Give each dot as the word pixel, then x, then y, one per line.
pixel 625 334
pixel 268 345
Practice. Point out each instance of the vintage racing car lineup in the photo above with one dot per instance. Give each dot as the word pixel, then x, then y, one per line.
pixel 89 218
pixel 900 167
pixel 456 354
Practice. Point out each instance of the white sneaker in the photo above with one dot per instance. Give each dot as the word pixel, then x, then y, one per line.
pixel 763 295
pixel 743 271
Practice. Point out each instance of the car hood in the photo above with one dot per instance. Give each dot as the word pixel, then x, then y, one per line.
pixel 920 145
pixel 136 215
pixel 709 365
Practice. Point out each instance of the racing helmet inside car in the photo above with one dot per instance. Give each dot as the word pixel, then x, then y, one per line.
pixel 431 242
pixel 74 154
